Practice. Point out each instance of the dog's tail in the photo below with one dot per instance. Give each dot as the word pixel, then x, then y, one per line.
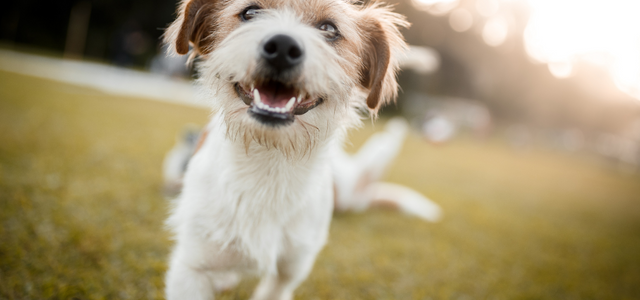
pixel 357 177
pixel 404 199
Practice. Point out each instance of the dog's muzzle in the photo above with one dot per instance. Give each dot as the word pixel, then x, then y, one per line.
pixel 274 98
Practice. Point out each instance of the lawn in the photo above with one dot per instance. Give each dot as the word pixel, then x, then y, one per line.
pixel 81 212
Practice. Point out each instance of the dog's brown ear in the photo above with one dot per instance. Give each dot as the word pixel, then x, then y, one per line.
pixel 195 24
pixel 382 45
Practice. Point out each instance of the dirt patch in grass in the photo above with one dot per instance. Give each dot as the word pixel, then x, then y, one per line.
pixel 81 213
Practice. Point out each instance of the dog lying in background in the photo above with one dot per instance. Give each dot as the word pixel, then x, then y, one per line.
pixel 286 80
pixel 357 177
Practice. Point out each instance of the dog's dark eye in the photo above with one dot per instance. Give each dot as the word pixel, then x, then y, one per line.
pixel 249 12
pixel 330 30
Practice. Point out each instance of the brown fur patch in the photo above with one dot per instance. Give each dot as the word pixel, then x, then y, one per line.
pixel 375 60
pixel 197 26
pixel 382 43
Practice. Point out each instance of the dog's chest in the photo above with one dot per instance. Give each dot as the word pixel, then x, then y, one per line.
pixel 257 204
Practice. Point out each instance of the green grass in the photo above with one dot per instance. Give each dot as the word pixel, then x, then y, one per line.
pixel 82 214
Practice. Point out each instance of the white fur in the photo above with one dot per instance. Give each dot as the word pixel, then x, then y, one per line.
pixel 258 199
pixel 241 213
pixel 234 60
pixel 321 70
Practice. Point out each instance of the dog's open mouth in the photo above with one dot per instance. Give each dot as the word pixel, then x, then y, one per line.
pixel 275 103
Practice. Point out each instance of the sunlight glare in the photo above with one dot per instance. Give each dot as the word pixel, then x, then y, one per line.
pixel 579 30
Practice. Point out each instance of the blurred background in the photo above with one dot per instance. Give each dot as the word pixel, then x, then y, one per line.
pixel 564 74
pixel 526 117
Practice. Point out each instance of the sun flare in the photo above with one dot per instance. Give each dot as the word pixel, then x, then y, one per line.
pixel 562 33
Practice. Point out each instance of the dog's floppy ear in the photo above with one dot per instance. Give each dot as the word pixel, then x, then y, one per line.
pixel 195 24
pixel 382 45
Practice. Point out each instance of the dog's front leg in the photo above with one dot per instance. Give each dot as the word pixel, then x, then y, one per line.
pixel 186 282
pixel 293 268
pixel 187 278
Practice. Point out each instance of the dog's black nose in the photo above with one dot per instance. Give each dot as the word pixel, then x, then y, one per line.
pixel 282 52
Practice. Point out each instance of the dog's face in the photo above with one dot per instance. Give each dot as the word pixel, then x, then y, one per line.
pixel 288 73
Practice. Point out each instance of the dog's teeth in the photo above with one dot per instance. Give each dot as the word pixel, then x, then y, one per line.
pixel 252 88
pixel 256 97
pixel 290 103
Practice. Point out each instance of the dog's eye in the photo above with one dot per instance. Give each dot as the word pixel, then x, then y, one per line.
pixel 249 12
pixel 330 31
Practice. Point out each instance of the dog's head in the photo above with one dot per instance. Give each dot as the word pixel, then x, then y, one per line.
pixel 286 73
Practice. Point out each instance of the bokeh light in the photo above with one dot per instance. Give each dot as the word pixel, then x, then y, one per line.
pixel 495 31
pixel 561 69
pixel 461 20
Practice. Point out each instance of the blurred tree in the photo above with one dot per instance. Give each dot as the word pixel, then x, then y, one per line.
pixel 44 24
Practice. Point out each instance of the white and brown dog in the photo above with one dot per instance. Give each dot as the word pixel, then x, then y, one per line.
pixel 286 79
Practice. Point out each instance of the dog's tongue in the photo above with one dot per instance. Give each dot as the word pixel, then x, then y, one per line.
pixel 275 94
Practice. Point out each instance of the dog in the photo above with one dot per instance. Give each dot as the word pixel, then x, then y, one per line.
pixel 357 177
pixel 286 80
